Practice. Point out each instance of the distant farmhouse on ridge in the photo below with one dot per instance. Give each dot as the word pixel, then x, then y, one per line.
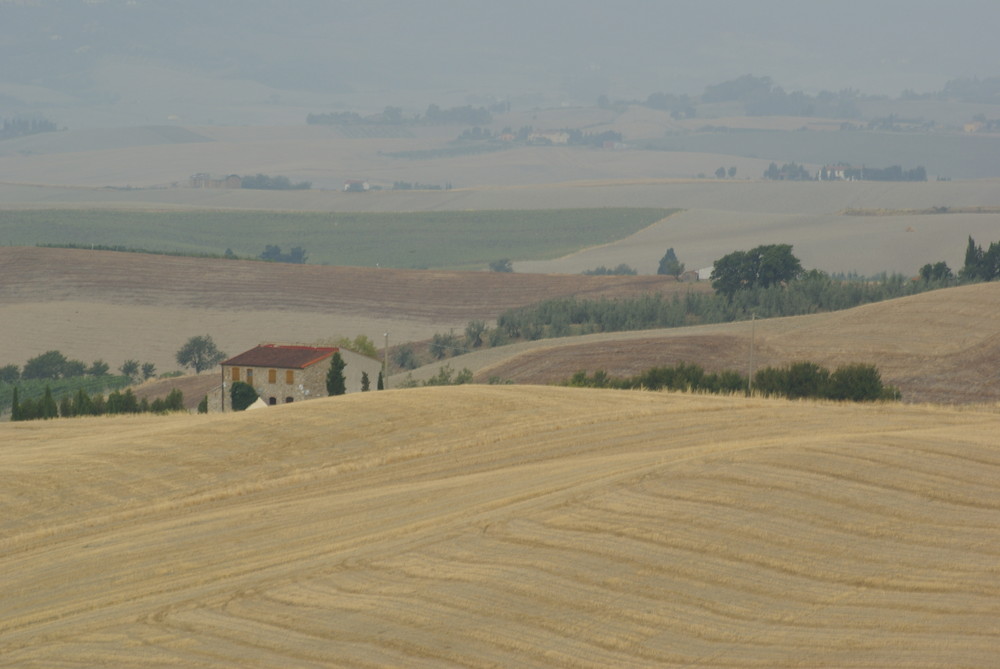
pixel 285 374
pixel 205 180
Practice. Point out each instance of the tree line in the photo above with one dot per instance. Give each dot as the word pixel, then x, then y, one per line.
pixel 434 115
pixel 767 281
pixel 53 365
pixel 19 127
pixel 856 382
pixel 83 404
pixel 266 182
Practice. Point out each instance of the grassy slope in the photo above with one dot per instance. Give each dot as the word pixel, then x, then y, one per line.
pixel 486 526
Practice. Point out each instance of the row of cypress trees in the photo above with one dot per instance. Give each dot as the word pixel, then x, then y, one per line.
pixel 82 404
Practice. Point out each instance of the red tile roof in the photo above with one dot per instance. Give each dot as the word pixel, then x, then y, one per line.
pixel 286 357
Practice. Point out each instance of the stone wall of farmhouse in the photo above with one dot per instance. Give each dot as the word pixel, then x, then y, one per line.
pixel 281 386
pixel 356 364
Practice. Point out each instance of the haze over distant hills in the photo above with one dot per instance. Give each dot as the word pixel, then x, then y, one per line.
pixel 114 62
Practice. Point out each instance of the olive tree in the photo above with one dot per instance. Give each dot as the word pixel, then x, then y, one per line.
pixel 200 353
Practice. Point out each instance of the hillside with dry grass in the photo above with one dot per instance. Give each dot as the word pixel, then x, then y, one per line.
pixel 513 526
pixel 942 346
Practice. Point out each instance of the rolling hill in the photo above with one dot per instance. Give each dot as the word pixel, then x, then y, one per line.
pixel 116 306
pixel 936 347
pixel 940 346
pixel 501 526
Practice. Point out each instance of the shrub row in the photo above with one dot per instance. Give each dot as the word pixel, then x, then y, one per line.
pixel 855 382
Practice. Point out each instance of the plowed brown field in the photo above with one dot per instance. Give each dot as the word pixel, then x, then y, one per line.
pixel 116 306
pixel 505 526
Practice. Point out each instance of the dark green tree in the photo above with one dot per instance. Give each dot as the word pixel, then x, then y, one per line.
pixel 335 382
pixel 82 404
pixel 15 407
pixel 380 385
pixel 502 265
pixel 98 368
pixel 203 405
pixel 130 368
pixel 857 382
pixel 200 353
pixel 48 365
pixel 148 370
pixel 366 384
pixel 939 271
pixel 759 267
pixel 30 410
pixel 48 407
pixel 241 395
pixel 669 265
pixel 74 368
pixel 9 374
pixel 174 400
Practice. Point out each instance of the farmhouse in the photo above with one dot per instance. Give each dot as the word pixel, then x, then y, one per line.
pixel 284 374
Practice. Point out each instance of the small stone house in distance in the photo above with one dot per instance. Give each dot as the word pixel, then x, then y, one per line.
pixel 284 374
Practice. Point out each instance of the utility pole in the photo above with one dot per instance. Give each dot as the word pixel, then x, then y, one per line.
pixel 385 363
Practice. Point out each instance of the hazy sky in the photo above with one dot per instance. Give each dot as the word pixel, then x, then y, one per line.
pixel 416 52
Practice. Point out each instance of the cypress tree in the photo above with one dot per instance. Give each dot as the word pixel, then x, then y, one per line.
pixel 15 406
pixel 48 407
pixel 335 382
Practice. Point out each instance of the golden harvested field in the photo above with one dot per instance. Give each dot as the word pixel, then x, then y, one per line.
pixel 505 526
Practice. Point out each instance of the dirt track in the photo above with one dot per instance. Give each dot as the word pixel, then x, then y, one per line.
pixel 485 526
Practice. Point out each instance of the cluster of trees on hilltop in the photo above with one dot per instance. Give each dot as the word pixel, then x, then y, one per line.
pixel 273 253
pixel 621 270
pixel 18 127
pixel 266 182
pixel 434 115
pixel 794 172
pixel 974 89
pixel 767 281
pixel 980 265
pixel 856 382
